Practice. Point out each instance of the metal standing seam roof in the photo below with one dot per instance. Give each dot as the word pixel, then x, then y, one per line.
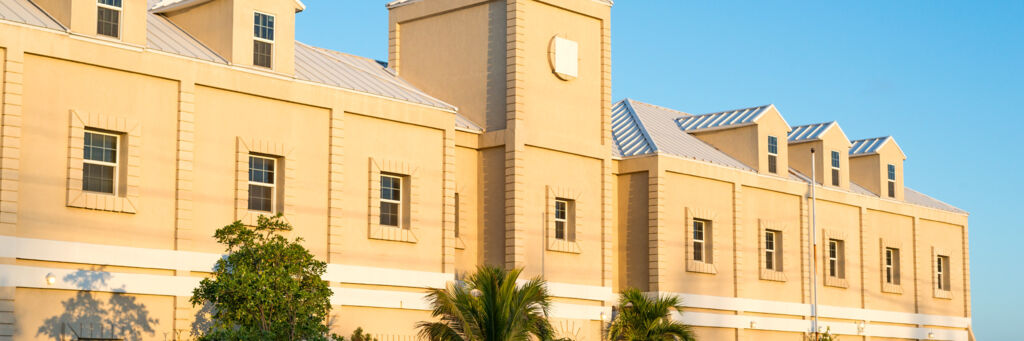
pixel 164 36
pixel 400 3
pixel 910 196
pixel 160 6
pixel 461 122
pixel 868 146
pixel 26 12
pixel 356 73
pixel 809 132
pixel 658 125
pixel 722 119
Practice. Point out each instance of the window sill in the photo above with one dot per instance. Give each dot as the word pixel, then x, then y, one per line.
pixel 460 244
pixel 836 282
pixel 772 275
pixel 100 202
pixel 561 245
pixel 392 233
pixel 892 288
pixel 701 267
pixel 943 294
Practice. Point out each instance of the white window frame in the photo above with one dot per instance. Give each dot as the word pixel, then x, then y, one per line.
pixel 891 180
pixel 120 17
pixel 273 185
pixel 273 46
pixel 941 267
pixel 117 160
pixel 833 258
pixel 564 220
pixel 890 265
pixel 771 253
pixel 702 241
pixel 836 166
pixel 401 194
pixel 775 154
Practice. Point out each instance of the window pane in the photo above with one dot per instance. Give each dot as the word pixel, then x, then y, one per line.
pixel 115 3
pixel 892 189
pixel 97 178
pixel 698 251
pixel 835 159
pixel 772 164
pixel 261 170
pixel 892 172
pixel 263 26
pixel 390 188
pixel 262 54
pixel 107 21
pixel 769 261
pixel 99 147
pixel 260 198
pixel 773 145
pixel 559 230
pixel 389 213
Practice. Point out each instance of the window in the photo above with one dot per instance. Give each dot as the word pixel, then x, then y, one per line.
pixel 390 200
pixel 942 273
pixel 263 40
pixel 701 240
pixel 892 266
pixel 773 154
pixel 456 215
pixel 108 18
pixel 99 162
pixel 773 250
pixel 835 168
pixel 836 258
pixel 262 180
pixel 561 218
pixel 892 180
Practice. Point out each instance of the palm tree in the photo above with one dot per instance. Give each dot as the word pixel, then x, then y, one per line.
pixel 642 318
pixel 489 306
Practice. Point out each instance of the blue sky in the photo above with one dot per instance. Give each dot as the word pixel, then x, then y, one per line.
pixel 946 79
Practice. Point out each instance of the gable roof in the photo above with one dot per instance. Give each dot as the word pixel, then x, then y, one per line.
pixel 810 132
pixel 724 119
pixel 871 146
pixel 163 35
pixel 639 128
pixel 25 12
pixel 400 3
pixel 164 6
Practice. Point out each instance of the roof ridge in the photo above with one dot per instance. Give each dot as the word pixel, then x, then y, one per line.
pixel 324 52
pixel 640 124
pixel 733 110
pixel 873 138
pixel 657 106
pixel 812 124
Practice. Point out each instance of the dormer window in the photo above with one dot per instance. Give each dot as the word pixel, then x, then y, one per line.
pixel 773 154
pixel 108 18
pixel 835 168
pixel 263 40
pixel 892 181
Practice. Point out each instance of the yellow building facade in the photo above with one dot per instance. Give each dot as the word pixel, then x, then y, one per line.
pixel 133 129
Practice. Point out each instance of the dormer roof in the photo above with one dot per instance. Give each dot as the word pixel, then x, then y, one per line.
pixel 164 6
pixel 812 132
pixel 723 119
pixel 872 145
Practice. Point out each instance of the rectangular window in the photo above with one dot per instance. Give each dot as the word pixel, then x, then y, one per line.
pixel 773 154
pixel 702 240
pixel 892 180
pixel 262 183
pixel 108 18
pixel 835 168
pixel 390 200
pixel 892 266
pixel 773 250
pixel 561 218
pixel 836 255
pixel 942 273
pixel 263 40
pixel 99 162
pixel 456 215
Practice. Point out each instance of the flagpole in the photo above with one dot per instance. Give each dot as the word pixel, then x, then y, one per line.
pixel 814 249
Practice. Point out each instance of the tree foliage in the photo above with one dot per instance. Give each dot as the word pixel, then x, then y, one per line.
pixel 266 288
pixel 643 318
pixel 490 306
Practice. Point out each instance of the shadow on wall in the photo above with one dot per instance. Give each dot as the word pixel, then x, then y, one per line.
pixel 119 317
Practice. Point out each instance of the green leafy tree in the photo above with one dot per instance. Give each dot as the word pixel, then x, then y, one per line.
pixel 643 318
pixel 359 335
pixel 489 306
pixel 821 336
pixel 266 288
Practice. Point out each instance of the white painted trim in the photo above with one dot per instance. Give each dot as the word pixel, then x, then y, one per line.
pixel 801 326
pixel 579 291
pixel 384 276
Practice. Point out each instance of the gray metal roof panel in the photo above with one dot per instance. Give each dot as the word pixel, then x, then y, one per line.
pixel 665 136
pixel 630 138
pixel 467 124
pixel 809 132
pixel 164 36
pixel 25 12
pixel 356 73
pixel 868 146
pixel 721 119
pixel 918 198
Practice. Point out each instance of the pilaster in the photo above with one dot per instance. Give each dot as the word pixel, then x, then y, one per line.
pixel 184 314
pixel 607 237
pixel 655 239
pixel 515 250
pixel 917 276
pixel 967 274
pixel 10 140
pixel 738 240
pixel 335 188
pixel 7 319
pixel 448 257
pixel 185 163
pixel 864 249
pixel 805 249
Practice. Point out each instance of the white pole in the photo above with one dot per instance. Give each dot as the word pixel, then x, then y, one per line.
pixel 814 249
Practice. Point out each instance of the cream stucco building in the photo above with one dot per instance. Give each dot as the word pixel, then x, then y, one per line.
pixel 132 129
